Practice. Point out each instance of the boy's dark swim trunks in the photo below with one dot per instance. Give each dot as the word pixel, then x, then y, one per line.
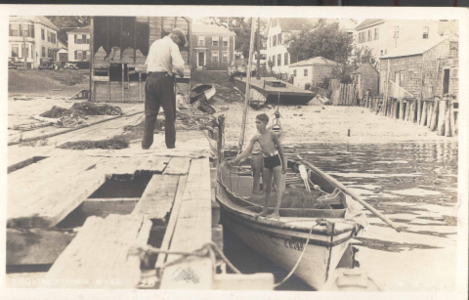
pixel 271 162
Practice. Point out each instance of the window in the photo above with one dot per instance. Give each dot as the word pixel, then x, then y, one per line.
pixel 381 52
pixel 285 59
pixel 273 61
pixel 215 41
pixel 31 30
pixel 83 38
pixel 396 32
pixel 225 41
pixel 279 59
pixel 48 35
pixel 215 57
pixel 453 49
pixel 84 55
pixel 274 41
pixel 294 73
pixel 43 37
pixel 376 33
pixel 306 72
pixel 369 35
pixel 14 50
pixel 14 31
pixel 43 51
pixel 225 57
pixel 425 32
pixel 79 55
pixel 49 53
pixel 279 38
pixel 201 42
pixel 76 55
pixel 53 38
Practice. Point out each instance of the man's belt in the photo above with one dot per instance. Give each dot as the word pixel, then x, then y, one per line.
pixel 154 74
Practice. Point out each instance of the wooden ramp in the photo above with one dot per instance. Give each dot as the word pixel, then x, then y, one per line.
pixel 100 257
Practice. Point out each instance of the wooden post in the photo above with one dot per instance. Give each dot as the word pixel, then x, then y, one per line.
pixel 221 133
pixel 123 81
pixel 452 118
pixel 430 113
pixel 91 94
pixel 434 123
pixel 108 49
pixel 139 86
pixel 441 116
pixel 419 110
pixel 413 110
pixel 448 128
pixel 424 114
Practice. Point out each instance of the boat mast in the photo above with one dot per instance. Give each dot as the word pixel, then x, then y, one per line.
pixel 248 86
pixel 258 46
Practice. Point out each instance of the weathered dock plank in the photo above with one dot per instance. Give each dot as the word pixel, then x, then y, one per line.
pixel 158 197
pixel 178 166
pixel 193 230
pixel 99 255
pixel 158 164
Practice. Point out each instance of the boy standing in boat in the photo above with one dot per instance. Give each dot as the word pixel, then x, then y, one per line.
pixel 275 164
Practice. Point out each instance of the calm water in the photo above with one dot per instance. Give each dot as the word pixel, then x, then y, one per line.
pixel 413 184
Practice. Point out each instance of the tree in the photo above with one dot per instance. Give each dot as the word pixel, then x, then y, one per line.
pixel 241 27
pixel 362 55
pixel 66 23
pixel 327 40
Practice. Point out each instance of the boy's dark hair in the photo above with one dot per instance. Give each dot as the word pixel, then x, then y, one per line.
pixel 263 117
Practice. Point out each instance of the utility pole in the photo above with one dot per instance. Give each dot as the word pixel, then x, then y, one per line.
pixel 25 53
pixel 258 73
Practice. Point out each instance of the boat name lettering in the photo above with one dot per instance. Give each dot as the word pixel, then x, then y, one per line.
pixel 292 244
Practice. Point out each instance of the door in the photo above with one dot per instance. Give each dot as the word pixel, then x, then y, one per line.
pixel 446 82
pixel 201 60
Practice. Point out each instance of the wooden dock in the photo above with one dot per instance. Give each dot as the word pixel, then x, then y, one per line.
pixel 77 219
pixel 289 94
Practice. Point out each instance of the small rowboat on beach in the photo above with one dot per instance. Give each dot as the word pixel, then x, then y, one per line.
pixel 256 99
pixel 202 92
pixel 352 280
pixel 316 238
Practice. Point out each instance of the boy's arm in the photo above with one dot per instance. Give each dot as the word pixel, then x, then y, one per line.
pixel 280 151
pixel 246 151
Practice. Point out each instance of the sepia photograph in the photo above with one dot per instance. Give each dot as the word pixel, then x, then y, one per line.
pixel 235 150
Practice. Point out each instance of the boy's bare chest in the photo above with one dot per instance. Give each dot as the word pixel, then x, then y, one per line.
pixel 266 142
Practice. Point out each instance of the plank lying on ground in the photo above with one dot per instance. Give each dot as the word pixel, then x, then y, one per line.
pixel 178 166
pixel 172 221
pixel 35 246
pixel 193 230
pixel 99 255
pixel 158 197
pixel 158 164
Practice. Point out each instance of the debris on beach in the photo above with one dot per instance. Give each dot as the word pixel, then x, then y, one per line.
pixel 110 144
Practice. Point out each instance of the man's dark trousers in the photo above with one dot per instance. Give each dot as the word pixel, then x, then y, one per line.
pixel 159 91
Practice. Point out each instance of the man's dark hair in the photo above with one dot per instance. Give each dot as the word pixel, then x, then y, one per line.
pixel 263 117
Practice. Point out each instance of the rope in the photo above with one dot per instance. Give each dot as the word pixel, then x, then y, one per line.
pixel 299 259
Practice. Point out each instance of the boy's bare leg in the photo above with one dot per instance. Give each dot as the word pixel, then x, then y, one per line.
pixel 279 188
pixel 256 169
pixel 267 177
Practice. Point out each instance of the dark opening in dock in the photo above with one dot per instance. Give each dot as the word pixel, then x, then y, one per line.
pixel 123 186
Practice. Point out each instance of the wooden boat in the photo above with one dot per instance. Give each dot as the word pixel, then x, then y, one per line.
pixel 270 87
pixel 256 99
pixel 202 92
pixel 352 280
pixel 284 240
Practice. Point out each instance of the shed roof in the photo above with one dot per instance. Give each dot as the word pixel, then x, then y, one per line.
pixel 365 67
pixel 369 22
pixel 318 60
pixel 211 29
pixel 418 47
pixel 84 29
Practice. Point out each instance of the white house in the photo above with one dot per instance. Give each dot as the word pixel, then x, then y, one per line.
pixel 311 71
pixel 32 37
pixel 382 35
pixel 79 44
pixel 280 30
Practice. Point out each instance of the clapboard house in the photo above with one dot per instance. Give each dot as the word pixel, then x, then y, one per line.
pixel 422 69
pixel 120 46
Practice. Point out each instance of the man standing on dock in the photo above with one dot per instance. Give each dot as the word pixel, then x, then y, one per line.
pixel 163 60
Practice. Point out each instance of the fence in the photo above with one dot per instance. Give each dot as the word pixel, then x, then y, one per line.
pixel 437 114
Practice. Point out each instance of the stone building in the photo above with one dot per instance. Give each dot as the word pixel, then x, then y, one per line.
pixel 311 71
pixel 213 47
pixel 423 69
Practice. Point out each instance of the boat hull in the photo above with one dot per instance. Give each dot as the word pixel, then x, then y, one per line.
pixel 282 248
pixel 272 96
